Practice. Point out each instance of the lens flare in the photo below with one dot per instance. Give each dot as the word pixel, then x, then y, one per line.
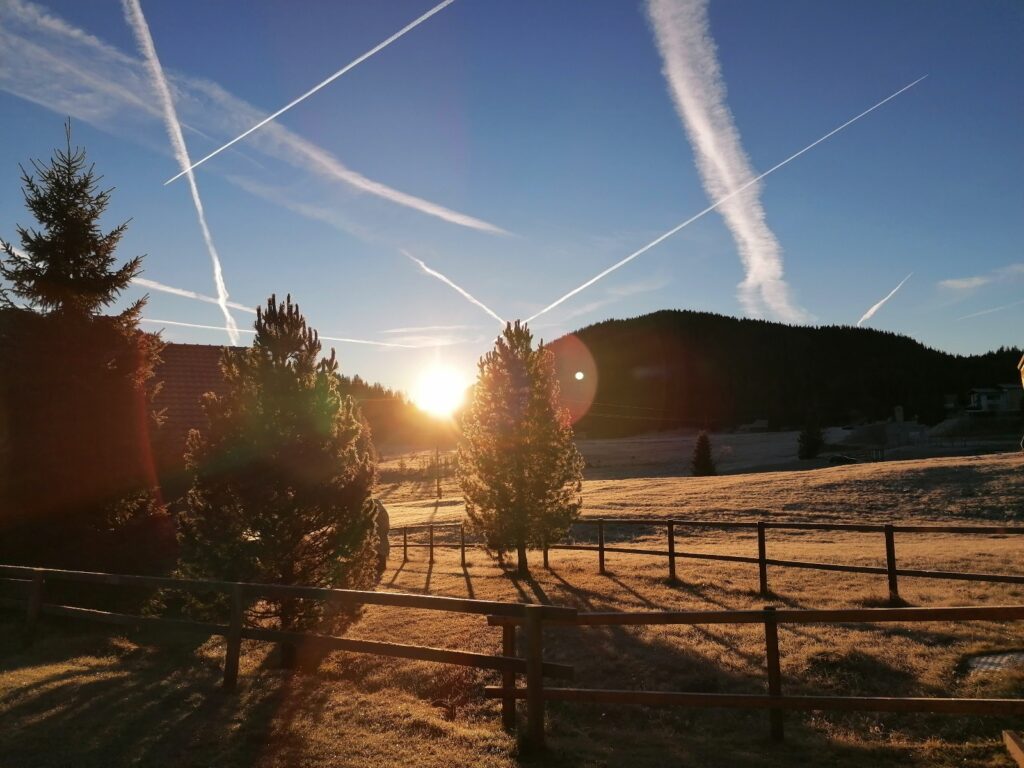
pixel 577 375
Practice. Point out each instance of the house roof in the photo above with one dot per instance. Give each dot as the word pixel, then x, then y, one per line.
pixel 188 371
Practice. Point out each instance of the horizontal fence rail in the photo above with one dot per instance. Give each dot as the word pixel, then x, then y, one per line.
pixel 344 596
pixel 528 621
pixel 672 553
pixel 774 701
pixel 532 664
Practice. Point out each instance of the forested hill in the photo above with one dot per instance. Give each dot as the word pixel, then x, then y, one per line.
pixel 393 418
pixel 678 368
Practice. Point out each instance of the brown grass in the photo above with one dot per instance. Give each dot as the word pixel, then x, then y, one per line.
pixel 84 697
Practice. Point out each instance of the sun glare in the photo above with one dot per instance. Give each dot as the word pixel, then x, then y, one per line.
pixel 440 390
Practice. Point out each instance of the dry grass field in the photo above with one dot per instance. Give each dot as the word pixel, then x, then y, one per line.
pixel 939 489
pixel 87 697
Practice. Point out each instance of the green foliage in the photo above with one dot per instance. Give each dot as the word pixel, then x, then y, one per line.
pixel 282 478
pixel 68 266
pixel 76 472
pixel 702 464
pixel 811 440
pixel 518 466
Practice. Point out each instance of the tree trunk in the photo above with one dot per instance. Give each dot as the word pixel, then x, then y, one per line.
pixel 524 568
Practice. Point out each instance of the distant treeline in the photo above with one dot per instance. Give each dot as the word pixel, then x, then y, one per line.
pixel 677 368
pixel 394 419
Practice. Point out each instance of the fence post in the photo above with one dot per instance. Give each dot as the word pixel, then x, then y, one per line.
pixel 771 642
pixel 405 544
pixel 600 546
pixel 890 563
pixel 671 551
pixel 462 542
pixel 534 630
pixel 762 559
pixel 546 555
pixel 431 544
pixel 35 605
pixel 508 677
pixel 234 638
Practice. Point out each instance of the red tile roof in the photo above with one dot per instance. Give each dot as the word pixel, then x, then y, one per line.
pixel 188 371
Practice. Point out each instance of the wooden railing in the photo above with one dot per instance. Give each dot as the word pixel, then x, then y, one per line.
pixel 430 544
pixel 240 593
pixel 774 701
pixel 672 553
pixel 510 616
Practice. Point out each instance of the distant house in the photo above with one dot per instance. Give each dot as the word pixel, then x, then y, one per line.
pixel 188 371
pixel 1002 398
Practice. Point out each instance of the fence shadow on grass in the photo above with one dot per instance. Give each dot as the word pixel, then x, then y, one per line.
pixel 152 705
pixel 619 657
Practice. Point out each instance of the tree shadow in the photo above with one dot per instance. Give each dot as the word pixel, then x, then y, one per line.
pixel 158 707
pixel 614 657
pixel 535 592
pixel 584 597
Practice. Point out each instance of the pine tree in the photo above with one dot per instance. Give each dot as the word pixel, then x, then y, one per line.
pixel 519 469
pixel 282 477
pixel 702 464
pixel 77 478
pixel 811 440
pixel 68 267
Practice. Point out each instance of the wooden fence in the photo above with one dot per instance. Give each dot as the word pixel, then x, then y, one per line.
pixel 532 619
pixel 672 553
pixel 530 616
pixel 775 701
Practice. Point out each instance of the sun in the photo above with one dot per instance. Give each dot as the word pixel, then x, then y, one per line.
pixel 440 391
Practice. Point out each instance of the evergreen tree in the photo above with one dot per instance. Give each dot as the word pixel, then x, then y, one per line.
pixel 282 478
pixel 702 464
pixel 68 267
pixel 518 466
pixel 76 475
pixel 811 440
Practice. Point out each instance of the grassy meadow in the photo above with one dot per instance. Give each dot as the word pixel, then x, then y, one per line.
pixel 86 696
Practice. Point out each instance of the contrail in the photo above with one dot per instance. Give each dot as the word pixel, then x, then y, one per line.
pixel 154 321
pixel 990 311
pixel 351 65
pixel 870 313
pixel 164 288
pixel 133 15
pixel 715 205
pixel 466 294
pixel 690 65
pixel 153 285
pixel 70 72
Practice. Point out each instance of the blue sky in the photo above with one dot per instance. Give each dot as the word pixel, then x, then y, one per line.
pixel 551 129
